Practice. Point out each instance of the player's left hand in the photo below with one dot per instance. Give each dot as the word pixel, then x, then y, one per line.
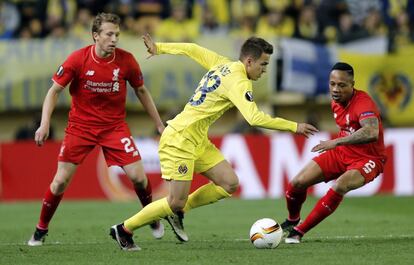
pixel 324 146
pixel 150 44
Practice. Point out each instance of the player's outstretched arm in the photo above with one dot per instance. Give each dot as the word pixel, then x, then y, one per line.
pixel 241 96
pixel 368 133
pixel 49 104
pixel 201 55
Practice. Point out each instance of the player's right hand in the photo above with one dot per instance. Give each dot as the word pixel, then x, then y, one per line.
pixel 150 44
pixel 306 129
pixel 42 133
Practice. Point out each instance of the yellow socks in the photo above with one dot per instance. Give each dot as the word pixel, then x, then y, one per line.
pixel 150 213
pixel 154 211
pixel 206 194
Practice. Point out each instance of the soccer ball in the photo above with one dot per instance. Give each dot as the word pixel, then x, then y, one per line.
pixel 266 233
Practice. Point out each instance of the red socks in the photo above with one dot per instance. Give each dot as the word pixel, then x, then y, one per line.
pixel 323 208
pixel 49 206
pixel 144 194
pixel 294 200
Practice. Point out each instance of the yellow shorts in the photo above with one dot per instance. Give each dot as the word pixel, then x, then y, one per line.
pixel 180 157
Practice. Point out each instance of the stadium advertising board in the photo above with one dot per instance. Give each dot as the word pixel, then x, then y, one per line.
pixel 263 163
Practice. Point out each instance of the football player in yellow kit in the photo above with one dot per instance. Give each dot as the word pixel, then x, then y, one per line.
pixel 184 146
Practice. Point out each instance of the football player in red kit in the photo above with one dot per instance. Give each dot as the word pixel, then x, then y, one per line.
pixel 354 158
pixel 98 76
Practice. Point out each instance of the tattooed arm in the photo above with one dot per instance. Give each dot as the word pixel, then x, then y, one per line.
pixel 366 134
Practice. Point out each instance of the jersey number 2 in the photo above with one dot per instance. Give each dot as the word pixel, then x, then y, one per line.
pixel 368 167
pixel 128 144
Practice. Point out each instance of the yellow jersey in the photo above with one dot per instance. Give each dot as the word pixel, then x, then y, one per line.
pixel 224 86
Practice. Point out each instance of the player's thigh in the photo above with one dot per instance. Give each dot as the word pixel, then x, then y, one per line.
pixel 310 175
pixel 222 174
pixel 118 146
pixel 359 172
pixel 350 180
pixel 212 164
pixel 177 156
pixel 331 165
pixel 208 157
pixel 74 148
pixel 63 176
pixel 369 168
pixel 66 169
pixel 135 171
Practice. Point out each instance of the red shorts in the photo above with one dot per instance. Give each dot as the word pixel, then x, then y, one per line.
pixel 116 141
pixel 334 163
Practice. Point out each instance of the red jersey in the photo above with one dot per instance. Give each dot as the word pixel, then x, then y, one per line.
pixel 348 118
pixel 98 86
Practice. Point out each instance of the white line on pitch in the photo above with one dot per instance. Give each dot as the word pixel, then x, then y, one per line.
pixel 229 240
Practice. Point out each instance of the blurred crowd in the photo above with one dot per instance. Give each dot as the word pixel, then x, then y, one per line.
pixel 322 21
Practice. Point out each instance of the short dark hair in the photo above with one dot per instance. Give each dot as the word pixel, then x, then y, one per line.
pixel 341 66
pixel 102 18
pixel 255 47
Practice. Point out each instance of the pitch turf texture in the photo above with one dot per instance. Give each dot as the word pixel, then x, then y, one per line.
pixel 374 230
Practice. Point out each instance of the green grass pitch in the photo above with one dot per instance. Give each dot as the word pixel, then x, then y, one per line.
pixel 374 230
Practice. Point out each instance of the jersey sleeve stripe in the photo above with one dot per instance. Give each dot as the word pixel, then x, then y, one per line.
pixel 57 83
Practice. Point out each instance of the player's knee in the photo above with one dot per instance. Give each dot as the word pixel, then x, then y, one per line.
pixel 140 183
pixel 230 183
pixel 298 182
pixel 136 176
pixel 176 205
pixel 58 186
pixel 231 187
pixel 341 187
